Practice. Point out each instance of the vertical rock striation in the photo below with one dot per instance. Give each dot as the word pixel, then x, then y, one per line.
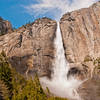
pixel 30 48
pixel 81 37
pixel 81 34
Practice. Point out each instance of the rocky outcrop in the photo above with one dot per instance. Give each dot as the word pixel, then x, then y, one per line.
pixel 5 27
pixel 30 48
pixel 81 35
pixel 90 90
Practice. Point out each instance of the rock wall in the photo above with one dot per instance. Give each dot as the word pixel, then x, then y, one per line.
pixel 81 35
pixel 31 48
pixel 5 26
pixel 81 39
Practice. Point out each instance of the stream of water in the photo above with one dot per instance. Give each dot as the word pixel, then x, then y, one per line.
pixel 60 85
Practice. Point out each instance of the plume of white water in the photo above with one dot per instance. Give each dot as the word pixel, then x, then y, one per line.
pixel 59 84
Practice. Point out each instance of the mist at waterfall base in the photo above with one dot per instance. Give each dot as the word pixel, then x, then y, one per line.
pixel 60 85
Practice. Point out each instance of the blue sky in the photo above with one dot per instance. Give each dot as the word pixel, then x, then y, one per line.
pixel 14 11
pixel 19 12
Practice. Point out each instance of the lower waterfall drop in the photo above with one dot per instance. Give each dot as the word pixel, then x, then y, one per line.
pixel 60 85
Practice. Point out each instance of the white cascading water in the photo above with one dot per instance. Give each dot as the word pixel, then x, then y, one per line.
pixel 59 84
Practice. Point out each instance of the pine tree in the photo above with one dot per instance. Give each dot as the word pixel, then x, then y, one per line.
pixel 18 83
pixel 14 86
pixel 5 71
pixel 4 92
pixel 33 90
pixel 56 98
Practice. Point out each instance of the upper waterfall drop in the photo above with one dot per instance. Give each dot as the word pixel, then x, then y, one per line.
pixel 60 85
pixel 60 65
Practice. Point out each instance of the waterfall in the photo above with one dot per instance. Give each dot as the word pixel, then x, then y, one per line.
pixel 59 84
pixel 60 65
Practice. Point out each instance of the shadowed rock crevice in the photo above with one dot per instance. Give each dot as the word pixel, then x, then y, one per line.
pixel 73 71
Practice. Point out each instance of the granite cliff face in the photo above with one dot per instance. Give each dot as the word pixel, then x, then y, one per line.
pixel 5 27
pixel 30 48
pixel 81 36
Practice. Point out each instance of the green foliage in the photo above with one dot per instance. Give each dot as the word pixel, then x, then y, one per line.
pixel 14 86
pixel 34 91
pixel 5 70
pixel 97 62
pixel 4 93
pixel 18 83
pixel 97 66
pixel 28 90
pixel 56 98
pixel 88 58
pixel 48 92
